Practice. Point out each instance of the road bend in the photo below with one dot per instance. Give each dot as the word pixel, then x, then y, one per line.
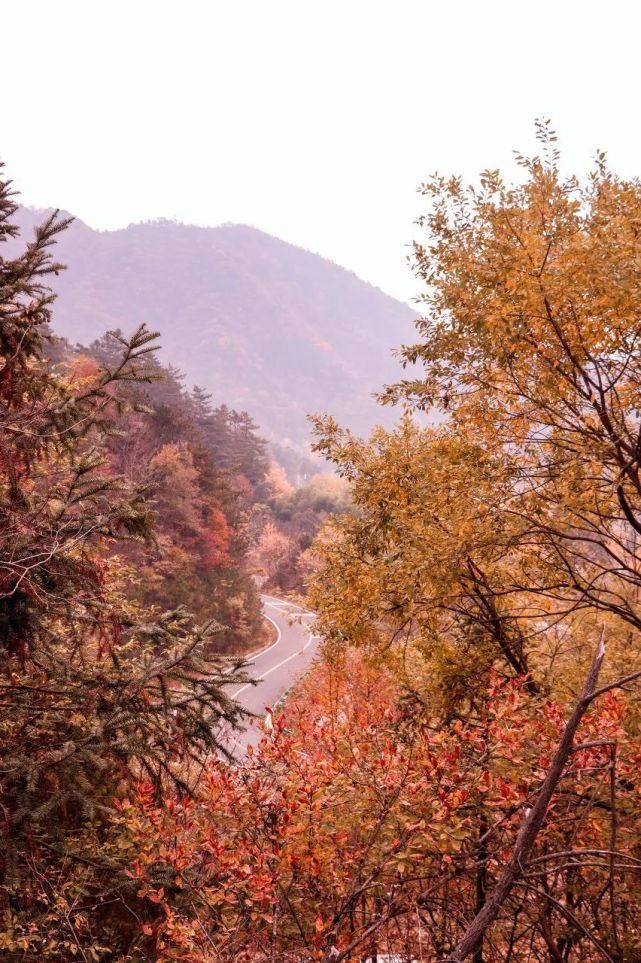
pixel 275 668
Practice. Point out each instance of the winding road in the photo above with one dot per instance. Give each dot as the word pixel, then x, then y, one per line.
pixel 275 668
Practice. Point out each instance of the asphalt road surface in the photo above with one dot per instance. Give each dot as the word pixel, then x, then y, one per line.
pixel 276 668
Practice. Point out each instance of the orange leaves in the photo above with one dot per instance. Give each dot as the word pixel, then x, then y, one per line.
pixel 369 802
pixel 215 538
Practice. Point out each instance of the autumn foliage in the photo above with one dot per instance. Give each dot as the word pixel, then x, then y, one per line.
pixel 505 538
pixel 457 778
pixel 96 690
pixel 357 825
pixel 203 469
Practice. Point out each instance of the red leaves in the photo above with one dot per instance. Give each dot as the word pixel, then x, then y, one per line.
pixel 214 539
pixel 276 847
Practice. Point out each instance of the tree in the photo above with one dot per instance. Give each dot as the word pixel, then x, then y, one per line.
pixel 202 512
pixel 352 831
pixel 96 691
pixel 278 482
pixel 272 550
pixel 505 539
pixel 531 346
pixel 295 515
pixel 232 438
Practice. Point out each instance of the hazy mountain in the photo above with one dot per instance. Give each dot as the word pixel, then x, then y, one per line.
pixel 265 326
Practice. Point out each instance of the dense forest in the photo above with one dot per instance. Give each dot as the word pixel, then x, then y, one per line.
pixel 224 515
pixel 457 777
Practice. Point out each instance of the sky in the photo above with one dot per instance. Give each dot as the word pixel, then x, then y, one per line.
pixel 314 120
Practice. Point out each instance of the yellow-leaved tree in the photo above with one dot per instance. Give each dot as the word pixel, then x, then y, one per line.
pixel 506 538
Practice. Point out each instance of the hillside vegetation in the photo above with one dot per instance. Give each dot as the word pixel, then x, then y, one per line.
pixel 457 777
pixel 264 326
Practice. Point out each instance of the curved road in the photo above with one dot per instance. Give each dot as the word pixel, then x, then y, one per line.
pixel 276 668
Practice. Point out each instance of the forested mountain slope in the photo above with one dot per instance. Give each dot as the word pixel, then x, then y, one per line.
pixel 265 326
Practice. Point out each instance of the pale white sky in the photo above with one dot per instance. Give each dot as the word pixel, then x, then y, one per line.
pixel 314 120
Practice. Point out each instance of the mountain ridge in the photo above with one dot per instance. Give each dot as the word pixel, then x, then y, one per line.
pixel 263 325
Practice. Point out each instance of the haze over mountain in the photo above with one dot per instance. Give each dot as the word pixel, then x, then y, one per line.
pixel 264 326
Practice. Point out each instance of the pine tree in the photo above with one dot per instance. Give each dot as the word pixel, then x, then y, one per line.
pixel 95 691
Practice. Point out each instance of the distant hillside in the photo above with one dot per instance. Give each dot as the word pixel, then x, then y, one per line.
pixel 265 326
